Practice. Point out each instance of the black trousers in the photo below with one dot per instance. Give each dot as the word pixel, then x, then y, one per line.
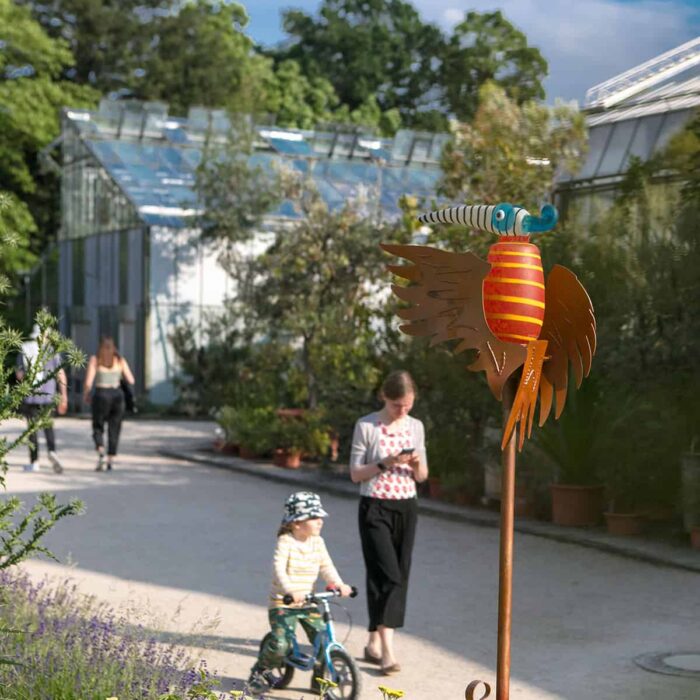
pixel 30 411
pixel 107 406
pixel 387 531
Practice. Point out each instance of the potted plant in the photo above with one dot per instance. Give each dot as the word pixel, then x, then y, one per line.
pixel 572 447
pixel 299 435
pixel 254 427
pixel 227 440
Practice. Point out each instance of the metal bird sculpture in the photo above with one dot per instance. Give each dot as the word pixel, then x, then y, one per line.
pixel 502 308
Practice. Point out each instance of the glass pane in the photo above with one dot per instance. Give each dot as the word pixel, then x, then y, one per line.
pixel 597 138
pixel 616 148
pixel 644 137
pixel 673 123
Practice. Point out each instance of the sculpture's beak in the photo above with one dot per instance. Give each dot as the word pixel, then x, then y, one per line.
pixel 546 221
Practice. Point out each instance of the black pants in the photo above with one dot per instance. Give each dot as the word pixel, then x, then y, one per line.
pixel 30 411
pixel 107 405
pixel 387 531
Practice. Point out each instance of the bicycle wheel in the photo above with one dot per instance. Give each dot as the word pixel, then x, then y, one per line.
pixel 281 676
pixel 347 677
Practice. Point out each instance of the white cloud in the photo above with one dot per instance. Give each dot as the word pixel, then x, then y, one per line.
pixel 584 42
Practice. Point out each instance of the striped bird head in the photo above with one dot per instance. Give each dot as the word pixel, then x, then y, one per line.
pixel 502 219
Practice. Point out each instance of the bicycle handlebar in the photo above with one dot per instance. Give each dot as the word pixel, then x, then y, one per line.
pixel 288 599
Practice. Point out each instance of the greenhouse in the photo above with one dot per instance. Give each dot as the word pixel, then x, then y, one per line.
pixel 131 261
pixel 632 115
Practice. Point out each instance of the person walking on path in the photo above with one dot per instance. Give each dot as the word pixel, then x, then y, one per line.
pixel 105 371
pixel 387 458
pixel 300 555
pixel 34 405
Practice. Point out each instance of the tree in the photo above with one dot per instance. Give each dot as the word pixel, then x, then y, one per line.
pixel 31 95
pixel 108 38
pixel 203 57
pixel 366 49
pixel 315 288
pixel 487 47
pixel 512 152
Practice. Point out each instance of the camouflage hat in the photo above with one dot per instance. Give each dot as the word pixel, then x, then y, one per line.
pixel 303 505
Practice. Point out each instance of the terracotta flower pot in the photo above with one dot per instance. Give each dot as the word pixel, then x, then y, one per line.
pixel 624 524
pixel 576 506
pixel 695 538
pixel 289 459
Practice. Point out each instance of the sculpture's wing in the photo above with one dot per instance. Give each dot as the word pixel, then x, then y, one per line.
pixel 570 331
pixel 446 304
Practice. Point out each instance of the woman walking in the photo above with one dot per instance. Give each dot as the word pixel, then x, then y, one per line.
pixel 387 458
pixel 105 371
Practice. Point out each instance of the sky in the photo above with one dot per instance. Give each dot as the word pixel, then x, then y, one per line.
pixel 584 42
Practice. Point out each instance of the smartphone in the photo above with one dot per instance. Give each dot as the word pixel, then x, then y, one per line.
pixel 407 450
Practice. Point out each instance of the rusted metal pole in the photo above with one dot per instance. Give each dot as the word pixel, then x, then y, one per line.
pixel 505 564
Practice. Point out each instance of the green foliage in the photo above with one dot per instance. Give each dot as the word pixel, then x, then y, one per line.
pixel 314 287
pixel 253 426
pixel 382 50
pixel 307 434
pixel 109 40
pixel 203 57
pixel 379 48
pixel 21 540
pixel 488 48
pixel 232 369
pixel 235 195
pixel 511 152
pixel 31 95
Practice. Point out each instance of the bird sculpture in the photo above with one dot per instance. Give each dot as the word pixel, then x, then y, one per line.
pixel 502 308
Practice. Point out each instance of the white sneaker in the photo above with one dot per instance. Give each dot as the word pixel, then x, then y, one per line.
pixel 31 467
pixel 55 462
pixel 100 463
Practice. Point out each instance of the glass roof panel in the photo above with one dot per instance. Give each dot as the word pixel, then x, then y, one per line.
pixel 159 178
pixel 296 148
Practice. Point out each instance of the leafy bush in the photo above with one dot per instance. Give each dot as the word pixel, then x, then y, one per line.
pixel 253 426
pixel 307 434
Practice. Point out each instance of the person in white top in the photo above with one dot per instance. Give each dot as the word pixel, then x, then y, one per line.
pixel 300 555
pixel 105 371
pixel 387 458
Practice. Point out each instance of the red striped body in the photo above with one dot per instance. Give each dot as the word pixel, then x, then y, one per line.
pixel 514 290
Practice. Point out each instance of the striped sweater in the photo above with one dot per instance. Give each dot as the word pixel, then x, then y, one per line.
pixel 296 566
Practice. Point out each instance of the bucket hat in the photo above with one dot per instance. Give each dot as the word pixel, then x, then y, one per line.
pixel 303 505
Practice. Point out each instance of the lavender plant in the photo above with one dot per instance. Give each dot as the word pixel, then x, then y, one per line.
pixel 69 647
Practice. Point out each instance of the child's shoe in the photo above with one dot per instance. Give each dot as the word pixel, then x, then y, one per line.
pixel 258 683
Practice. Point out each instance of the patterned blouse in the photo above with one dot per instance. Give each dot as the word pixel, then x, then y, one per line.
pixel 373 441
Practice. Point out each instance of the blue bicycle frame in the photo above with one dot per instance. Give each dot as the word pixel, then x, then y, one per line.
pixel 325 640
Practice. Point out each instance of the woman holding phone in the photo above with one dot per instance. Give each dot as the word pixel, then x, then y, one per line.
pixel 387 458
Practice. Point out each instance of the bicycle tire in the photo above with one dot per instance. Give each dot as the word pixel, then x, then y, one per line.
pixel 349 681
pixel 282 674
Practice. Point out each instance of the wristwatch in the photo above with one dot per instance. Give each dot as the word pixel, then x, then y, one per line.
pixel 381 466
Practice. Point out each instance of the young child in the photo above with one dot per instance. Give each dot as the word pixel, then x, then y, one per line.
pixel 300 555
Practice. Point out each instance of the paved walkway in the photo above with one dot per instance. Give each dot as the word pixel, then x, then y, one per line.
pixel 185 547
pixel 338 483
